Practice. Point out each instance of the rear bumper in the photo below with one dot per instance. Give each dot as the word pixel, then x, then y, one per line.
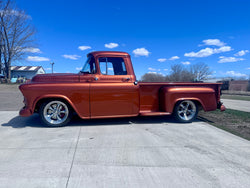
pixel 25 112
pixel 221 106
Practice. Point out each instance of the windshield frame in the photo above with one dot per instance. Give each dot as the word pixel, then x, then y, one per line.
pixel 87 64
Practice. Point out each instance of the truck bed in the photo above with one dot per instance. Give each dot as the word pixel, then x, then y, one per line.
pixel 153 95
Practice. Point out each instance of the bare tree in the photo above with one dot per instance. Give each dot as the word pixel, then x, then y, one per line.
pixel 200 71
pixel 153 77
pixel 180 74
pixel 176 72
pixel 16 34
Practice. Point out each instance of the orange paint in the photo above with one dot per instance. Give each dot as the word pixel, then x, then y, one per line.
pixel 96 95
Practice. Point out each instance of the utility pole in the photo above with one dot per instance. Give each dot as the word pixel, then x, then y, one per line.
pixel 1 46
pixel 52 64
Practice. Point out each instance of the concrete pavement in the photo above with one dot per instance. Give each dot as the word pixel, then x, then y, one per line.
pixel 237 104
pixel 130 152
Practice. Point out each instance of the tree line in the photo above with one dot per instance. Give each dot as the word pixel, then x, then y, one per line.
pixel 179 73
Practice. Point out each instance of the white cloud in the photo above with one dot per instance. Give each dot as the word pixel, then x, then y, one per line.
pixel 171 59
pixel 111 45
pixel 174 58
pixel 213 42
pixel 241 53
pixel 202 53
pixel 236 74
pixel 47 69
pixel 78 68
pixel 151 69
pixel 37 58
pixel 84 48
pixel 152 72
pixel 248 68
pixel 32 50
pixel 224 59
pixel 162 60
pixel 73 57
pixel 141 52
pixel 222 49
pixel 165 69
pixel 208 52
pixel 186 63
pixel 159 73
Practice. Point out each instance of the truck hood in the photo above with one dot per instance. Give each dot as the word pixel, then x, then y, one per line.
pixel 56 77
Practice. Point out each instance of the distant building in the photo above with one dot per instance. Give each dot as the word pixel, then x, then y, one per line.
pixel 26 71
pixel 238 85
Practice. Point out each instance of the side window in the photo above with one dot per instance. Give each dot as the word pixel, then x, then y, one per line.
pixel 112 66
pixel 106 67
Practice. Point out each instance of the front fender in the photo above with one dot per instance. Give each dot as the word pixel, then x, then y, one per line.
pixel 58 96
pixel 76 94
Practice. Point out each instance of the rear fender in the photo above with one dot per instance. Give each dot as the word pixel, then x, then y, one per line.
pixel 169 96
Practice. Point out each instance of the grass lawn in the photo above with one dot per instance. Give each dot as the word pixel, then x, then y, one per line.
pixel 233 121
pixel 236 97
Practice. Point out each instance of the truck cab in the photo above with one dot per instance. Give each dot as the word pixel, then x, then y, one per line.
pixel 113 88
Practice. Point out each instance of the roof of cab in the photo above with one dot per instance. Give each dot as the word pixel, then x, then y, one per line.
pixel 107 53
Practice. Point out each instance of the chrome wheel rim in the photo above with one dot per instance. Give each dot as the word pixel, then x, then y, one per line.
pixel 186 110
pixel 55 112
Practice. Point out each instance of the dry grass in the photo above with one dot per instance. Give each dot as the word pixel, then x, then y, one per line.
pixel 233 121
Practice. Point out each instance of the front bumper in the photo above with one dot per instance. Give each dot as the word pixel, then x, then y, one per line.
pixel 25 112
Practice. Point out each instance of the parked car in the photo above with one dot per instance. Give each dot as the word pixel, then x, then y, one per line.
pixel 107 88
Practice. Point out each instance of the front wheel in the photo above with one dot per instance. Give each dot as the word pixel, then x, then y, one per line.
pixel 55 113
pixel 185 111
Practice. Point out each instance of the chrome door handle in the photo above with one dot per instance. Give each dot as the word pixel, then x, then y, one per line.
pixel 126 79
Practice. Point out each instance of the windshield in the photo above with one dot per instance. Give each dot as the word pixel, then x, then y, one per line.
pixel 89 66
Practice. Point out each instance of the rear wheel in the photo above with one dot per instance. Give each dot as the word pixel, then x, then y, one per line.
pixel 55 113
pixel 185 111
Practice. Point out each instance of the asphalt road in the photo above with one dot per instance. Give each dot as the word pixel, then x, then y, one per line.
pixel 131 152
pixel 11 99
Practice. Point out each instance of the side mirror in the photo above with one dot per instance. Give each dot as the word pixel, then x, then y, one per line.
pixel 136 82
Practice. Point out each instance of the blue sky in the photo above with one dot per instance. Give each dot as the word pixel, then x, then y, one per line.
pixel 157 34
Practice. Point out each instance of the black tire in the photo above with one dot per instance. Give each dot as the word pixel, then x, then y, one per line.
pixel 55 113
pixel 185 111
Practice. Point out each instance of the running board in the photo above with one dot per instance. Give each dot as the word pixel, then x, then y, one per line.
pixel 154 113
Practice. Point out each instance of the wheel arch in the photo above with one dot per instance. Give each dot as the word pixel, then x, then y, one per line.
pixel 39 101
pixel 197 101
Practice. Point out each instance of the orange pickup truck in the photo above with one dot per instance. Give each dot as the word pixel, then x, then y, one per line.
pixel 107 88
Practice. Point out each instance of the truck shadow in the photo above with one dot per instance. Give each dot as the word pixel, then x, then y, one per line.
pixel 34 121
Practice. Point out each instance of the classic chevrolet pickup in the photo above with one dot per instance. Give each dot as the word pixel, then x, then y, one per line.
pixel 107 88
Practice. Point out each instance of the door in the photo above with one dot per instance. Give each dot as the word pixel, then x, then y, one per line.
pixel 113 92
